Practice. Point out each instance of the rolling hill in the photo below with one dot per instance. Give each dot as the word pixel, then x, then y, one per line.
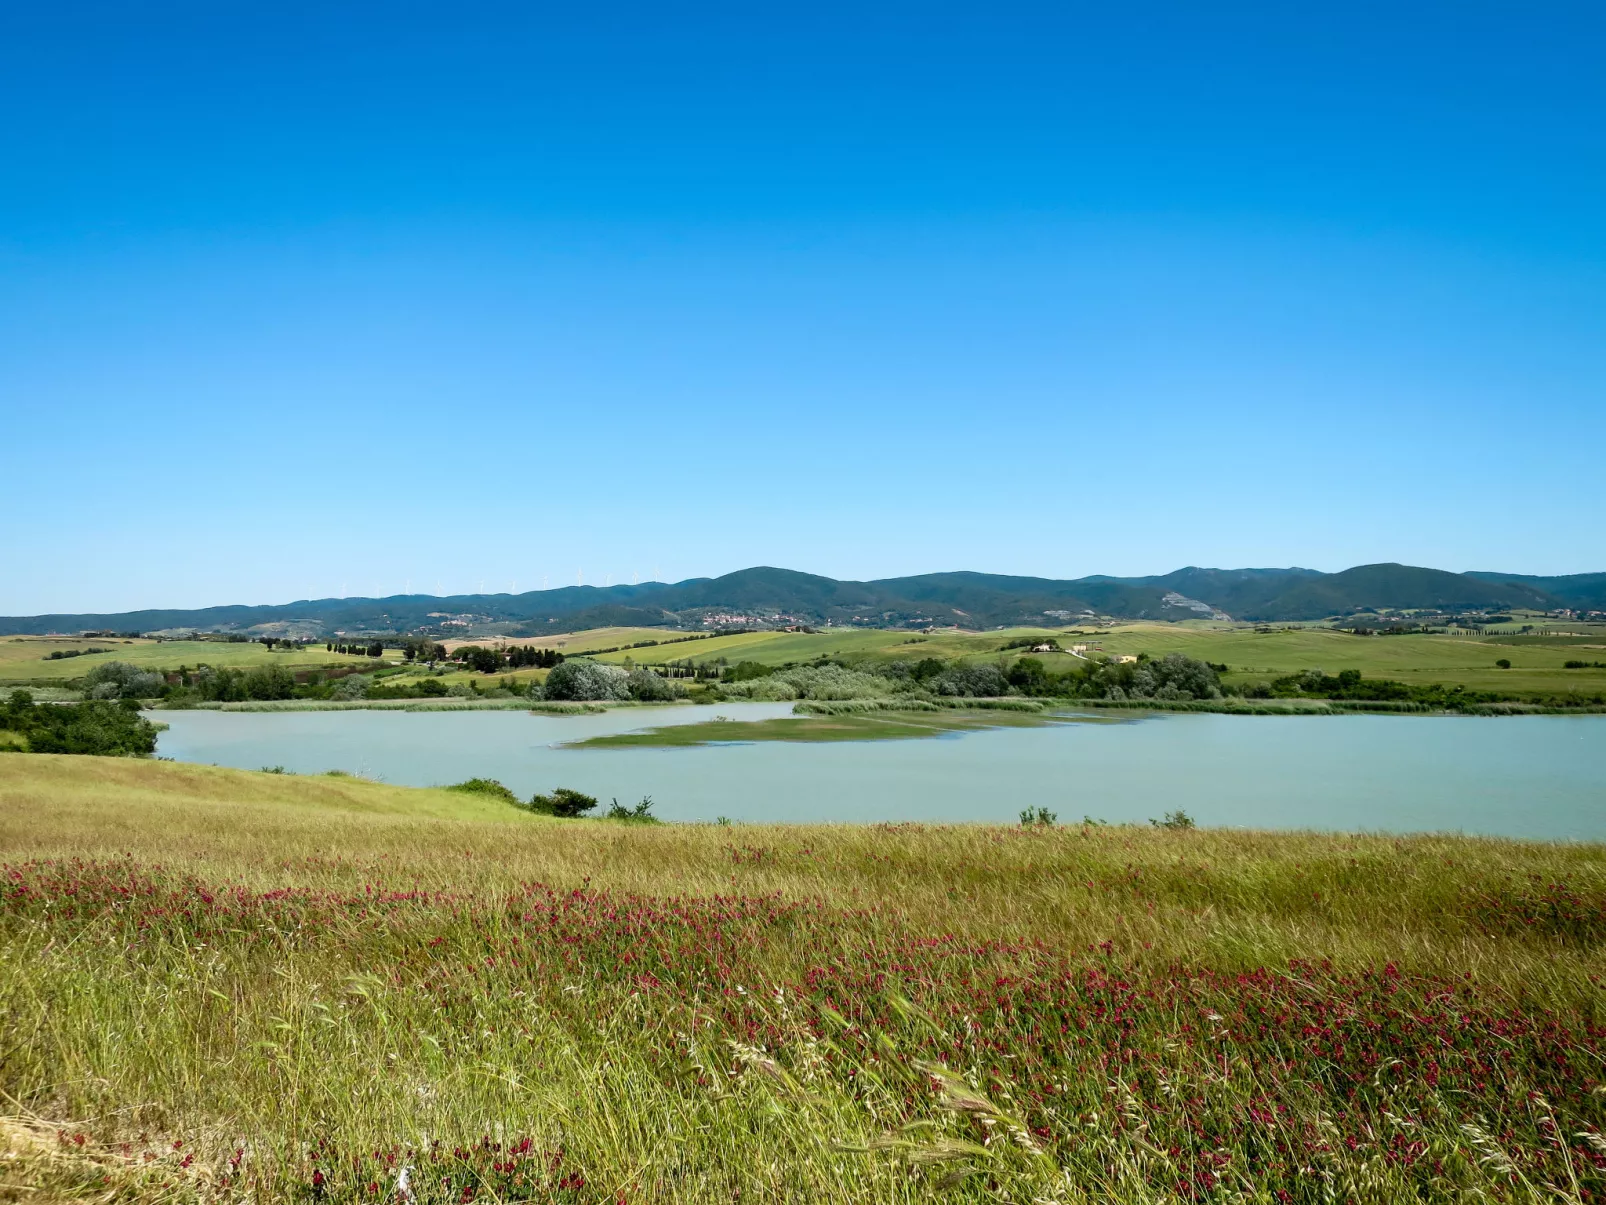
pixel 1582 590
pixel 965 599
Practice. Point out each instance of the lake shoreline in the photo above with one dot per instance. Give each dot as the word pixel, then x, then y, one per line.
pixel 1540 778
pixel 838 707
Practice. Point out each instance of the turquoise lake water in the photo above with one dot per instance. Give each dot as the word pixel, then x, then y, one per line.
pixel 1539 776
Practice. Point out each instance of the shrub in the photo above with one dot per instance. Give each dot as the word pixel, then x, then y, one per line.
pixel 1030 677
pixel 640 814
pixel 648 687
pixel 563 802
pixel 587 681
pixel 270 682
pixel 1173 678
pixel 971 681
pixel 102 728
pixel 486 786
pixel 1503 663
pixel 352 686
pixel 1177 821
pixel 773 689
pixel 120 680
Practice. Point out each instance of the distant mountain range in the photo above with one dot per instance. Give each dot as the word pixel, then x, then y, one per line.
pixel 971 600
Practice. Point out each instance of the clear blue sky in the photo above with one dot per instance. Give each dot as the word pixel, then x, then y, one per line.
pixel 307 299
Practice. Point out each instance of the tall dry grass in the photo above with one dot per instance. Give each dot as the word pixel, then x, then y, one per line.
pixel 307 982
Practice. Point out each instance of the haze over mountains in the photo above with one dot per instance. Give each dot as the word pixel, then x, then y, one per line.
pixel 965 599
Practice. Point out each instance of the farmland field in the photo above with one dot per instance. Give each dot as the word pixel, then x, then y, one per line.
pixel 223 985
pixel 25 657
pixel 1414 659
pixel 572 642
pixel 1537 662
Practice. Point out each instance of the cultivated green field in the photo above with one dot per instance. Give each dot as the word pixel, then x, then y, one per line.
pixel 1537 662
pixel 779 648
pixel 1468 660
pixel 1250 655
pixel 572 642
pixel 226 986
pixel 25 657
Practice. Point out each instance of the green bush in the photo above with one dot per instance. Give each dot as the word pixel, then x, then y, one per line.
pixel 102 728
pixel 746 671
pixel 120 680
pixel 640 814
pixel 648 687
pixel 563 802
pixel 486 786
pixel 587 681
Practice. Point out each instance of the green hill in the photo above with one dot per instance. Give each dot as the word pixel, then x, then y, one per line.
pixel 1586 591
pixel 965 599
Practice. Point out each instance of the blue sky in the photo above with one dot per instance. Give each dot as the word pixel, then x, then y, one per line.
pixel 316 299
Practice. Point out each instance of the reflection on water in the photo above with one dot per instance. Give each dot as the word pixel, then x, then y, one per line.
pixel 1539 776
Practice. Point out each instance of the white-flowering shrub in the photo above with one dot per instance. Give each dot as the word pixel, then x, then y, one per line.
pixel 352 686
pixel 648 687
pixel 120 680
pixel 774 689
pixel 812 682
pixel 587 681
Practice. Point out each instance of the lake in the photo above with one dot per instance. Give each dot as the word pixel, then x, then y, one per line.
pixel 1539 776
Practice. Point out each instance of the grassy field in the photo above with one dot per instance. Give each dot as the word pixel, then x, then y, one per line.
pixel 1537 662
pixel 573 642
pixel 1468 660
pixel 26 657
pixel 772 648
pixel 228 986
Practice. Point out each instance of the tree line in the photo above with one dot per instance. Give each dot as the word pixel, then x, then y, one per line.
pixel 375 648
pixel 489 661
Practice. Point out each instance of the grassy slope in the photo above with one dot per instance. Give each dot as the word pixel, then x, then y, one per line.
pixel 568 642
pixel 22 657
pixel 1470 661
pixel 640 1035
pixel 1449 659
pixel 778 648
pixel 1382 894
